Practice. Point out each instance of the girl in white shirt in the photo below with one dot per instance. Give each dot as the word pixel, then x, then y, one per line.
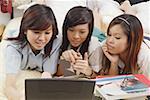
pixel 124 51
pixel 78 43
pixel 35 48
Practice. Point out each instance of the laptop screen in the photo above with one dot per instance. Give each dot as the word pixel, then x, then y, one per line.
pixel 59 89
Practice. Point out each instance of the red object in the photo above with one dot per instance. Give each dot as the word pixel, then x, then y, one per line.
pixel 6 6
pixel 143 79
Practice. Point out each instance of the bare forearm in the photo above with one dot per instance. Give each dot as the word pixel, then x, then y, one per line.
pixel 10 89
pixel 113 69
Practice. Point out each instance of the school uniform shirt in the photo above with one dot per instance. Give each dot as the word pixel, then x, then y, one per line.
pixel 17 58
pixel 93 44
pixel 143 60
pixel 2 79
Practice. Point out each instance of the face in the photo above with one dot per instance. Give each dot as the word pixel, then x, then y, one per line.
pixel 38 39
pixel 77 34
pixel 116 40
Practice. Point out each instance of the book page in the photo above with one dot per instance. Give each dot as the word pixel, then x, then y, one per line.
pixel 121 85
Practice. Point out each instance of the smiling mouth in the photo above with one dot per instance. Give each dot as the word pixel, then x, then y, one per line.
pixel 75 42
pixel 40 44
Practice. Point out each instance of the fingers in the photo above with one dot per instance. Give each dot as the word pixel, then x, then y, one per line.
pixel 81 62
pixel 105 50
pixel 86 56
pixel 82 69
pixel 79 56
pixel 82 66
pixel 46 75
pixel 65 55
pixel 112 57
pixel 78 63
pixel 71 55
pixel 78 68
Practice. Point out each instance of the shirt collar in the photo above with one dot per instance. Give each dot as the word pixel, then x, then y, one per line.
pixel 30 50
pixel 78 49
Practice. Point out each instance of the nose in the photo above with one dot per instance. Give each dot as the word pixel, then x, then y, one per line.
pixel 110 39
pixel 76 35
pixel 42 37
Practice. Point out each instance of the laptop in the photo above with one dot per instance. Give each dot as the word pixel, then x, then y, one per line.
pixel 59 89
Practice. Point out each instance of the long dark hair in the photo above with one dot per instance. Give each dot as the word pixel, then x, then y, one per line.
pixel 132 27
pixel 37 17
pixel 76 16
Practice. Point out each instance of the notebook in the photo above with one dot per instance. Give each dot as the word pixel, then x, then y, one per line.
pixel 59 89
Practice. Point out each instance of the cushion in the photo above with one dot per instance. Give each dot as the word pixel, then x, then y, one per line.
pixel 25 74
pixel 16 3
pixel 100 35
pixel 108 9
pixel 57 5
pixel 142 11
pixel 12 28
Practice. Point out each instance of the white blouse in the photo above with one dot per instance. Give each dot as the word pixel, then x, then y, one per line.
pixel 143 60
pixel 16 58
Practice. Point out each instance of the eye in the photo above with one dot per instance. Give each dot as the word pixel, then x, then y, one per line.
pixel 70 29
pixel 82 32
pixel 47 32
pixel 36 32
pixel 117 38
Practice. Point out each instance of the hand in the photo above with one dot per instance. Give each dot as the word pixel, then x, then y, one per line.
pixel 71 56
pixel 46 75
pixel 127 8
pixel 112 57
pixel 82 66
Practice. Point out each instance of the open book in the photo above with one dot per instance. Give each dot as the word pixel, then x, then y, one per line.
pixel 124 86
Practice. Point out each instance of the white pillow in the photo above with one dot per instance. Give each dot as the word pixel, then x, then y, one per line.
pixel 61 7
pixel 144 15
pixel 12 28
pixel 16 3
pixel 108 9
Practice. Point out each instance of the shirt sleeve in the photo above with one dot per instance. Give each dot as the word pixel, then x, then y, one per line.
pixel 94 43
pixel 12 60
pixel 50 65
pixel 95 59
pixel 2 75
pixel 144 60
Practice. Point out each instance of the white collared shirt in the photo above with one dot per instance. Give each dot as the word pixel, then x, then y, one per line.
pixel 143 60
pixel 16 58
